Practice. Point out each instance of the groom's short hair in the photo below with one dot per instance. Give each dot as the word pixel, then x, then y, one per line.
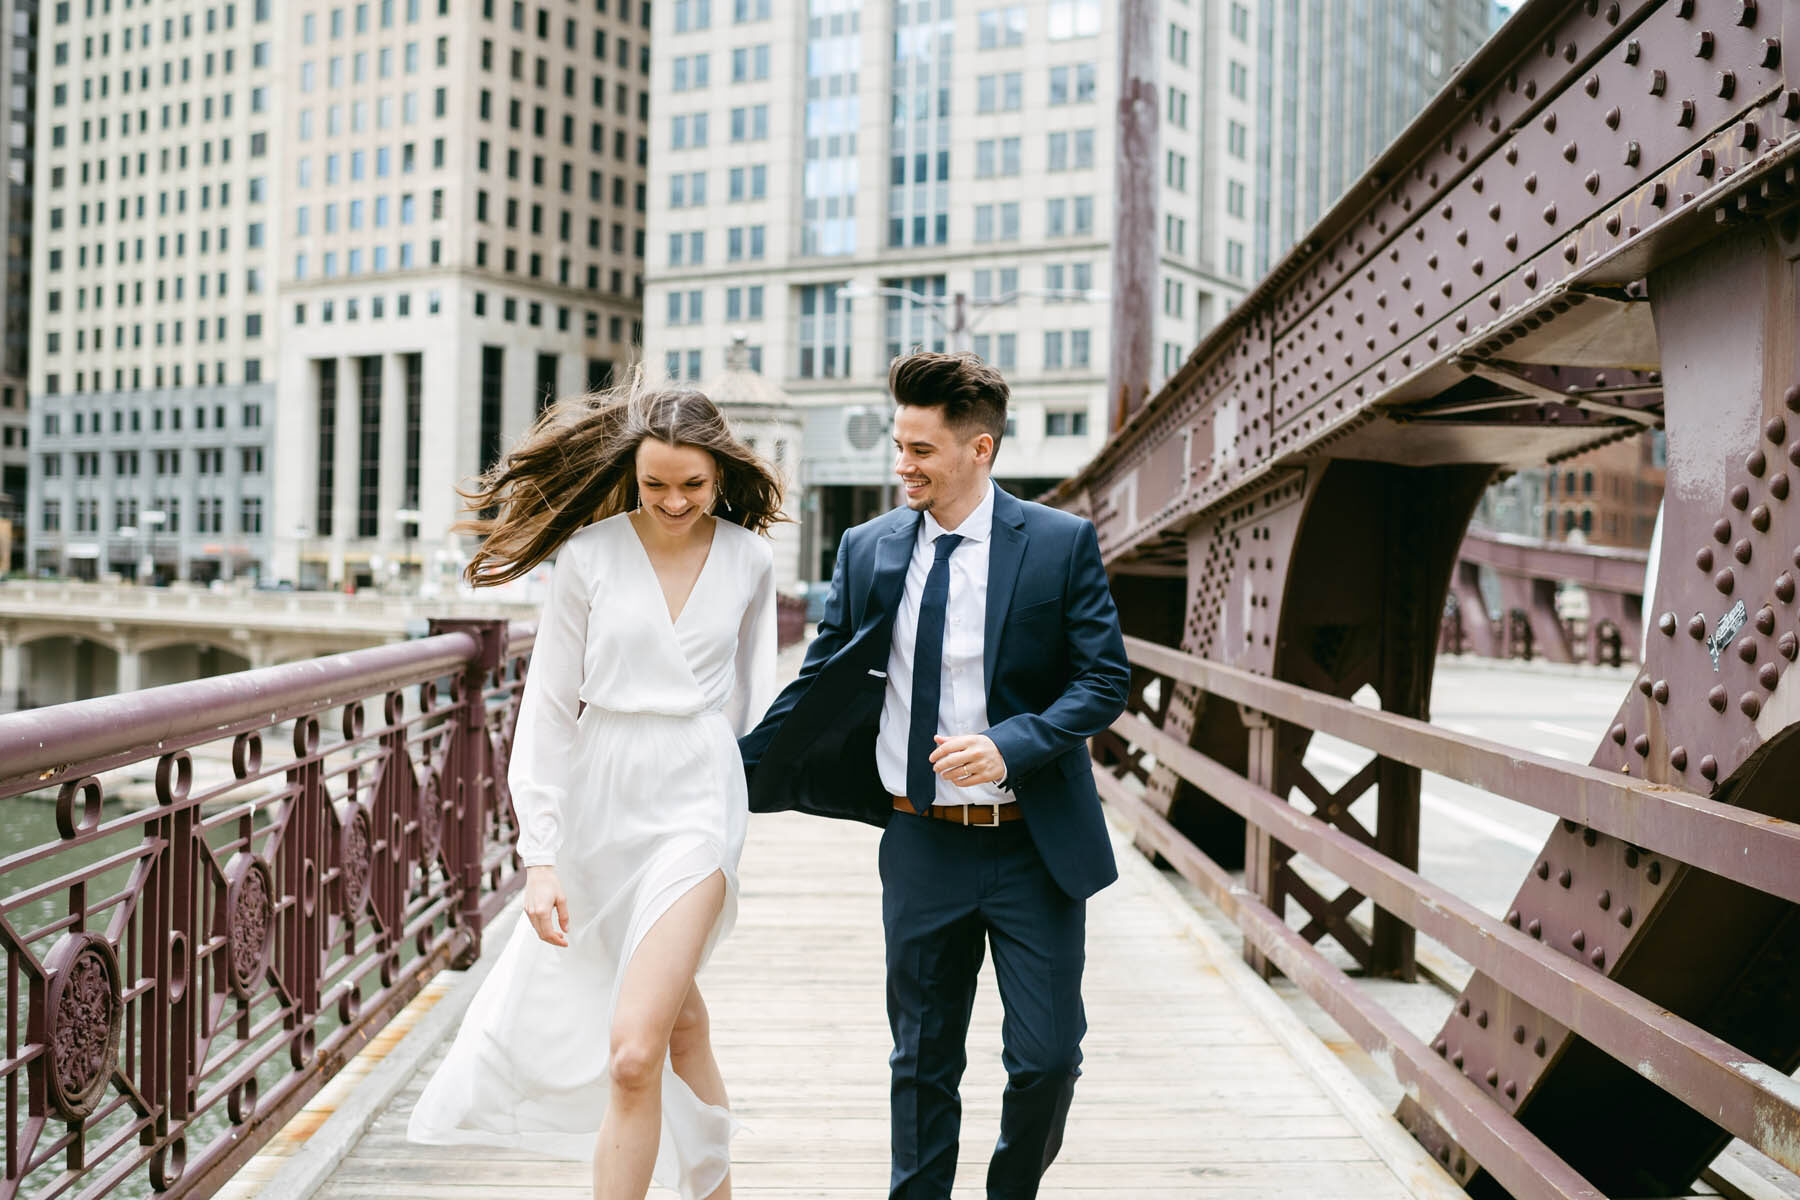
pixel 972 394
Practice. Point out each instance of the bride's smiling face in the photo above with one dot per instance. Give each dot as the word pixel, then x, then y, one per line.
pixel 677 484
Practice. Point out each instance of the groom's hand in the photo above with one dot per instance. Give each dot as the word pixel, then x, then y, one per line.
pixel 968 759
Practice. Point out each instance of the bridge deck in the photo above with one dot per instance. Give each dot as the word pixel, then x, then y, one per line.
pixel 1197 1082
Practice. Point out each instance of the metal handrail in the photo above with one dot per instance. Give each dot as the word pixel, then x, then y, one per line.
pixel 1742 1095
pixel 158 1029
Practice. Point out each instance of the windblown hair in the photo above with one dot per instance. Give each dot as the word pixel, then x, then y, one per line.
pixel 972 394
pixel 577 465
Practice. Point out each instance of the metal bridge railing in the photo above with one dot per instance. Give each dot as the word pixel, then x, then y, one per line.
pixel 1661 826
pixel 183 975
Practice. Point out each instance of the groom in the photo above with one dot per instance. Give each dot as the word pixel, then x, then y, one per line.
pixel 968 649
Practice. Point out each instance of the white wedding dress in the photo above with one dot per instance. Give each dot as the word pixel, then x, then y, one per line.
pixel 636 800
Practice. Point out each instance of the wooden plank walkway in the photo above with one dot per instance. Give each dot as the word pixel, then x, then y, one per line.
pixel 1197 1082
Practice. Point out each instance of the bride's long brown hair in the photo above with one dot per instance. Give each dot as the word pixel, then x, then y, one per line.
pixel 578 465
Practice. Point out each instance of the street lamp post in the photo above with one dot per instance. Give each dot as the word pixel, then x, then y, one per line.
pixel 409 522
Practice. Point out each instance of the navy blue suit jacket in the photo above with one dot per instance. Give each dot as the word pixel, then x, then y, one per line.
pixel 1056 675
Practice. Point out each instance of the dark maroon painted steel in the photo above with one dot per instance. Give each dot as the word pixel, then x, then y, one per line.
pixel 259 921
pixel 1592 231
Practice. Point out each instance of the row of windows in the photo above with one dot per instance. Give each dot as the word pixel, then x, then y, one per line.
pixel 136 380
pixel 543 16
pixel 1066 150
pixel 95 130
pixel 359 18
pixel 162 333
pixel 1003 27
pixel 127 464
pixel 1005 92
pixel 165 289
pixel 533 310
pixel 1064 216
pixel 93 421
pixel 260 10
pixel 1001 350
pixel 692 72
pixel 692 131
pixel 358 65
pixel 687 189
pixel 209 515
pixel 691 16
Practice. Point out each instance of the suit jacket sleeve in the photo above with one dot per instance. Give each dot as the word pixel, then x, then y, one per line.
pixel 1099 676
pixel 834 630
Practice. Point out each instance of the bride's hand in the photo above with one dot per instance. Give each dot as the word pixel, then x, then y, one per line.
pixel 545 905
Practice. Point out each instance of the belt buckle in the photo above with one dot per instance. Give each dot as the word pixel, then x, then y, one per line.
pixel 993 824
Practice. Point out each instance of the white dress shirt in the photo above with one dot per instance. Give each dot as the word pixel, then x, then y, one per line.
pixel 962 698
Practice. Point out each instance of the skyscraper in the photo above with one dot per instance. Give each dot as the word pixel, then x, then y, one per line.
pixel 18 99
pixel 1337 80
pixel 845 182
pixel 302 267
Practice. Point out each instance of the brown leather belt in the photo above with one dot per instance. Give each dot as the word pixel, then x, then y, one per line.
pixel 964 814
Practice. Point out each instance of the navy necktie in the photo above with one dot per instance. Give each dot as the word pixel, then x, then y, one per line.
pixel 928 677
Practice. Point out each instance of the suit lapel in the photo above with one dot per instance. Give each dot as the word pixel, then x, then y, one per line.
pixel 1005 554
pixel 893 553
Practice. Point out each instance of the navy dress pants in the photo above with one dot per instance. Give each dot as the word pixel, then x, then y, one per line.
pixel 949 891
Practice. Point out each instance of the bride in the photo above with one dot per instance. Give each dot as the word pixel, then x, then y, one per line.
pixel 655 651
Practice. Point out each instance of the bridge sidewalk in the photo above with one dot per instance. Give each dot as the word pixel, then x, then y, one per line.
pixel 1198 1081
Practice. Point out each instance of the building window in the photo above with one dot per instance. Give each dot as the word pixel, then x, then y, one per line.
pixel 1065 423
pixel 824 332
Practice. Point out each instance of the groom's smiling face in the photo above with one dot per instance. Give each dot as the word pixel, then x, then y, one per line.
pixel 942 470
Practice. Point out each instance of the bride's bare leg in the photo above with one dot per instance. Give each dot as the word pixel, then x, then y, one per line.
pixel 657 982
pixel 691 1054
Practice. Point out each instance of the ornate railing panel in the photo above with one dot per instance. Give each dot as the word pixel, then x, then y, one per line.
pixel 1669 831
pixel 191 955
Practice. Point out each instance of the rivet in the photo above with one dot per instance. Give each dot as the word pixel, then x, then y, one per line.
pixel 1784 588
pixel 1697 626
pixel 1788 646
pixel 1511 1090
pixel 1678 758
pixel 1618 735
pixel 1478 266
pixel 1771 52
pixel 1536 929
pixel 1740 497
pixel 1718 697
pixel 1631 857
pixel 1569 152
pixel 1462 1007
pixel 1632 152
pixel 1776 430
pixel 1759 518
pixel 1642 745
pixel 1746 12
pixel 1685 117
pixel 1654 874
pixel 1481 1019
pixel 1790 105
pixel 1709 767
pixel 1726 84
pixel 1598 957
pixel 1769 676
pixel 1539 1047
pixel 1543 869
pixel 1666 623
pixel 1659 82
pixel 1493 1077
pixel 1456 1060
pixel 1750 705
pixel 1756 462
pixel 1708 162
pixel 1703 558
pixel 1441 1047
pixel 1531 277
pixel 1549 122
pixel 1512 918
pixel 1566 878
pixel 1741 551
pixel 1591 86
pixel 1765 620
pixel 1519 1034
pixel 1722 531
pixel 1703 44
pixel 1659 691
pixel 1725 581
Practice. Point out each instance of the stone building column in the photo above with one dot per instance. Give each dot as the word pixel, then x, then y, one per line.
pixel 12 674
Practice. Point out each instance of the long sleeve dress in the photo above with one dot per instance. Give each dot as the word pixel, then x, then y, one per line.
pixel 636 798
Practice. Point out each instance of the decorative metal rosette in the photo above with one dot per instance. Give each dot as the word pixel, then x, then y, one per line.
pixel 84 1012
pixel 356 849
pixel 431 816
pixel 249 920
